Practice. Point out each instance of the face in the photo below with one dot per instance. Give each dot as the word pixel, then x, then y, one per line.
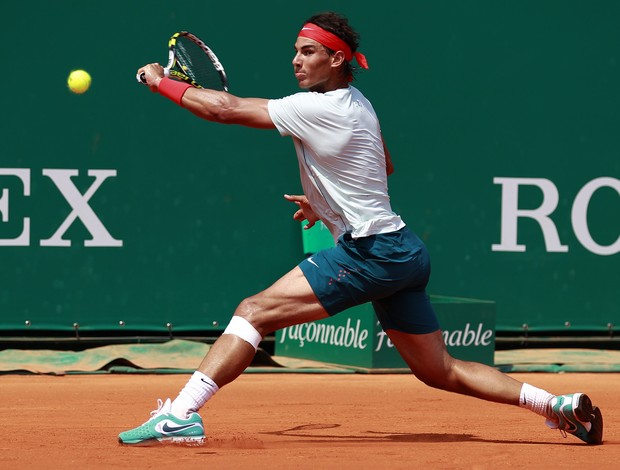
pixel 312 64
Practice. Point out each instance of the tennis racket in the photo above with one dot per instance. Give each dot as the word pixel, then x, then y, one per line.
pixel 192 61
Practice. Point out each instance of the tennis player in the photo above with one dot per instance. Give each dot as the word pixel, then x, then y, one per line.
pixel 344 165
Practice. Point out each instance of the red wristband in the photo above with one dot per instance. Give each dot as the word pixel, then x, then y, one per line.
pixel 173 89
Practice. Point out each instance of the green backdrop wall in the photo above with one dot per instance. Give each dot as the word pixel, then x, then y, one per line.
pixel 502 118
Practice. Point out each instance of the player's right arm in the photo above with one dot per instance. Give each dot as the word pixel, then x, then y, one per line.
pixel 216 106
pixel 305 211
pixel 389 166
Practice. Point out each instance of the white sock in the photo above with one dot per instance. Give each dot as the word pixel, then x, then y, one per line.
pixel 536 400
pixel 198 390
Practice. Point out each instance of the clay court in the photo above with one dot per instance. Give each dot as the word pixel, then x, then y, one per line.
pixel 309 420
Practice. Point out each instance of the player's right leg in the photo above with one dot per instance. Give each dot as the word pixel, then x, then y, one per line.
pixel 429 360
pixel 575 414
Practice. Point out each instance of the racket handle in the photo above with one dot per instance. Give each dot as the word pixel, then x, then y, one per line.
pixel 141 78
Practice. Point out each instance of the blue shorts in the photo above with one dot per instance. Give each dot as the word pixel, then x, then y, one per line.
pixel 391 270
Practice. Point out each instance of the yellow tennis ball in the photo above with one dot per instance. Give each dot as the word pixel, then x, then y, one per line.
pixel 79 81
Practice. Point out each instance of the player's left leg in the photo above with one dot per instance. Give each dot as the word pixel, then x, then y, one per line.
pixel 429 360
pixel 289 301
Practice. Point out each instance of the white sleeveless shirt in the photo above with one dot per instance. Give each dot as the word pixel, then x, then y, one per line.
pixel 341 159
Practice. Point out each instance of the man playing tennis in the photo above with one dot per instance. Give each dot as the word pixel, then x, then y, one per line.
pixel 344 166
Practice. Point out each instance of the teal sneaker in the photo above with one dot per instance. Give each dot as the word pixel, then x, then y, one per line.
pixel 574 414
pixel 166 428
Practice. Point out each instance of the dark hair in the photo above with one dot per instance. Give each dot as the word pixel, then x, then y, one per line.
pixel 338 25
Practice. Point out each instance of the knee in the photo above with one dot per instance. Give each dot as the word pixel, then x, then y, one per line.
pixel 250 310
pixel 247 308
pixel 440 377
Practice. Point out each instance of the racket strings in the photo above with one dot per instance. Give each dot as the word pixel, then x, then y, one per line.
pixel 195 62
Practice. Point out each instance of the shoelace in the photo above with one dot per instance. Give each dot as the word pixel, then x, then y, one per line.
pixel 157 412
pixel 555 425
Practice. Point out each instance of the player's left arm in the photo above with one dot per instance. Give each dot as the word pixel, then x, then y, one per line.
pixel 222 107
pixel 214 105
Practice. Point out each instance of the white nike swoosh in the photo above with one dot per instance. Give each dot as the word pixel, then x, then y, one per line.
pixel 310 260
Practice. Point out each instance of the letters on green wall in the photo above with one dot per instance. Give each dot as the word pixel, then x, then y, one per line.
pixel 122 212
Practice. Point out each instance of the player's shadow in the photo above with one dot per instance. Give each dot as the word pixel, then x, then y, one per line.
pixel 305 432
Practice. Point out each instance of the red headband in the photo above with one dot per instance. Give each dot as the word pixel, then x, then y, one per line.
pixel 312 31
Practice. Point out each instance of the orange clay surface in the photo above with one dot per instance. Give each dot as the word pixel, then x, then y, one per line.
pixel 288 421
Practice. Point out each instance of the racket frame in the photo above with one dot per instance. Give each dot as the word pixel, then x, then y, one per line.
pixel 171 71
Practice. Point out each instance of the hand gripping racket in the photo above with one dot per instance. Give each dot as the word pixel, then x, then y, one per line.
pixel 192 61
